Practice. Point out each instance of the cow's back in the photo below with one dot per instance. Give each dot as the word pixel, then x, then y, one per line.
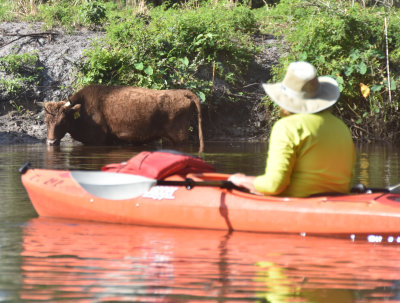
pixel 138 115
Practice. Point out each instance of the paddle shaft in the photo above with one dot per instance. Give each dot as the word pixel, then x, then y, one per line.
pixel 361 188
pixel 190 183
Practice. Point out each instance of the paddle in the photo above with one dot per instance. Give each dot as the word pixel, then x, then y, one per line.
pixel 116 186
pixel 190 183
pixel 395 189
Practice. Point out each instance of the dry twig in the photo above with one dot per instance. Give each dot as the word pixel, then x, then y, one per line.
pixel 48 35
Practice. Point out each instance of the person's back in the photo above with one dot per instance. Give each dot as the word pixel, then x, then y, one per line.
pixel 310 150
pixel 308 154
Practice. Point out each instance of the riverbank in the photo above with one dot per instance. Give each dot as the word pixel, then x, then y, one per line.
pixel 204 58
pixel 59 53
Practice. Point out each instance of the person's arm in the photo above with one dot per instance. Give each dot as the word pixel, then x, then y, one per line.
pixel 280 160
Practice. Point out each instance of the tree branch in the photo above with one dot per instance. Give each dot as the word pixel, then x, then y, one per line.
pixel 48 35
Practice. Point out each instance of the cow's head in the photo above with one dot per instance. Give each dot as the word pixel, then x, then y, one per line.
pixel 58 118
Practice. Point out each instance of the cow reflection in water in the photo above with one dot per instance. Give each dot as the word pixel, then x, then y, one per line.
pixel 105 115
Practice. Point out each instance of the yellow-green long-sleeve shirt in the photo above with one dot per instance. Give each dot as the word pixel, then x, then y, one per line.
pixel 308 154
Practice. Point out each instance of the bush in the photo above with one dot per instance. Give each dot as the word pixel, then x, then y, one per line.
pixel 348 43
pixel 19 72
pixel 65 13
pixel 93 12
pixel 173 48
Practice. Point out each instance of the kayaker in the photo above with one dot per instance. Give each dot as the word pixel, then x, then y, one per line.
pixel 310 150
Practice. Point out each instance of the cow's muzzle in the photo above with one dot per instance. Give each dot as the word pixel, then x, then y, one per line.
pixel 53 142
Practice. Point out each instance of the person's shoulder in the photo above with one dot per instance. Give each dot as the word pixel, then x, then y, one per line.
pixel 290 123
pixel 295 117
pixel 331 116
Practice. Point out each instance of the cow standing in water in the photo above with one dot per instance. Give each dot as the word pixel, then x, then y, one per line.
pixel 99 115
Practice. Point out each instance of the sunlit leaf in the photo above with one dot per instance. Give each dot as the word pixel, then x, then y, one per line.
pixel 339 79
pixel 185 61
pixel 139 66
pixel 202 96
pixel 362 68
pixel 149 71
pixel 354 54
pixel 349 70
pixel 365 90
pixel 303 56
pixel 376 87
pixel 392 84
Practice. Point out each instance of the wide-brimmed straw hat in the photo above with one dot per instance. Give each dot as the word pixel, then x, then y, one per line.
pixel 302 92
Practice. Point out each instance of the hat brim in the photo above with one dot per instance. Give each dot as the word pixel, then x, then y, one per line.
pixel 328 94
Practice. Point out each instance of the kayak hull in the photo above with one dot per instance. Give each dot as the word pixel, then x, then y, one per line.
pixel 55 193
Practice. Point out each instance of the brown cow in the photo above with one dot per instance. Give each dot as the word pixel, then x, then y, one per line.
pixel 99 115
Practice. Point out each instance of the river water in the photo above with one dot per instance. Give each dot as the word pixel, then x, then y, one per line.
pixel 47 260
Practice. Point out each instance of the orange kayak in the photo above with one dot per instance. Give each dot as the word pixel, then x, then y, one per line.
pixel 123 198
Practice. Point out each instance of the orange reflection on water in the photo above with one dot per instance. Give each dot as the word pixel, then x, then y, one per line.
pixel 87 262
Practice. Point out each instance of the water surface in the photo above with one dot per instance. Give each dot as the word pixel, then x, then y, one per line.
pixel 47 260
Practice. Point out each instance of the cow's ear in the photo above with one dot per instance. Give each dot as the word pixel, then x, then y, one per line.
pixel 76 108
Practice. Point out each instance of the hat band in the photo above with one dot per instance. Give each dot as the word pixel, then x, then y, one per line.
pixel 297 94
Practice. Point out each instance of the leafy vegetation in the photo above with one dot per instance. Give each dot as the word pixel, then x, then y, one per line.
pixel 19 72
pixel 168 46
pixel 358 45
pixel 188 44
pixel 171 48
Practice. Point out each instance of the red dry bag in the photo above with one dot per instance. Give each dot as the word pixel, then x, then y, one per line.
pixel 160 164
